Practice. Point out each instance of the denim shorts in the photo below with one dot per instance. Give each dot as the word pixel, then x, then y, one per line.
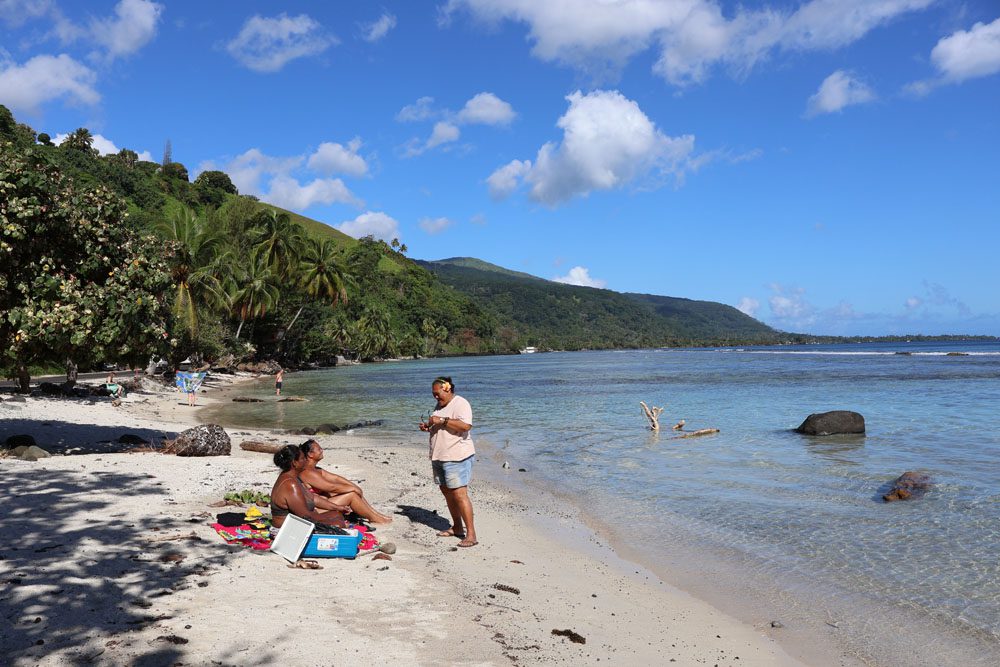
pixel 453 474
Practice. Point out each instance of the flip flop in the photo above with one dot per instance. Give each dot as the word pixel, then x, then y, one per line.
pixel 305 565
pixel 466 543
pixel 450 533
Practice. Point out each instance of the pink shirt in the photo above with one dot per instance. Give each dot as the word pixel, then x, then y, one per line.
pixel 445 445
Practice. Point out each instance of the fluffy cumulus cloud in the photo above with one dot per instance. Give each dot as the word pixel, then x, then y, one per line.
pixel 487 109
pixel 371 223
pixel 289 192
pixel 963 55
pixel 373 32
pixel 837 91
pixel 580 276
pixel 334 158
pixel 44 78
pixel 748 306
pixel 607 143
pixel 505 180
pixel 133 26
pixel 789 305
pixel 482 109
pixel 690 36
pixel 282 182
pixel 268 44
pixel 16 13
pixel 435 225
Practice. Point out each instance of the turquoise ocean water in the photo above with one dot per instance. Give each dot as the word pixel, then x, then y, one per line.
pixel 798 520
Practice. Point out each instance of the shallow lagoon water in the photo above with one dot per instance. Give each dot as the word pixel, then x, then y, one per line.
pixel 794 511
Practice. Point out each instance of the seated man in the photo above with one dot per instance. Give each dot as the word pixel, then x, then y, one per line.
pixel 334 487
pixel 114 389
pixel 290 496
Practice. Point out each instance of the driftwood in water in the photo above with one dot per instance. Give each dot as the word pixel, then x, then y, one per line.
pixel 695 434
pixel 679 425
pixel 262 447
pixel 653 415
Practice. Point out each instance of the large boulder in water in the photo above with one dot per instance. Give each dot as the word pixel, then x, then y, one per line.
pixel 204 440
pixel 832 423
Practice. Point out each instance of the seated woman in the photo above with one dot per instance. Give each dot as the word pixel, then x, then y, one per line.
pixel 334 487
pixel 291 496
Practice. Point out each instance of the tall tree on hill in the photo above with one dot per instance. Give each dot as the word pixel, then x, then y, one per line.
pixel 254 290
pixel 322 274
pixel 281 243
pixel 91 292
pixel 195 264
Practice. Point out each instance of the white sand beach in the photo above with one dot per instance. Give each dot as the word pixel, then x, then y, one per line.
pixel 107 558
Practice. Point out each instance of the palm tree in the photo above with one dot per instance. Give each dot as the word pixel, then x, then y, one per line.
pixel 280 241
pixel 322 274
pixel 194 266
pixel 254 291
pixel 375 332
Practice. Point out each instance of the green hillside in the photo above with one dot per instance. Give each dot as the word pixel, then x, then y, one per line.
pixel 558 316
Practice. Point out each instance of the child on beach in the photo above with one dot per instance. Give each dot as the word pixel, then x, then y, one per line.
pixel 278 379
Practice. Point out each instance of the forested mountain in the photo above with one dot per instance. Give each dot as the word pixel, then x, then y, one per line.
pixel 248 280
pixel 554 315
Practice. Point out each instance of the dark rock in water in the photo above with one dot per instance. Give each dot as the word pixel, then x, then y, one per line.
pixel 203 440
pixel 293 399
pixel 957 354
pixel 362 424
pixel 307 431
pixel 19 441
pixel 904 354
pixel 326 429
pixel 831 423
pixel 132 439
pixel 247 399
pixel 907 486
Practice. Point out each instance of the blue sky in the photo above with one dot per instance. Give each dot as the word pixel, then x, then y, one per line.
pixel 828 166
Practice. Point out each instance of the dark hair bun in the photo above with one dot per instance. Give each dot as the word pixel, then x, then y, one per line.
pixel 284 457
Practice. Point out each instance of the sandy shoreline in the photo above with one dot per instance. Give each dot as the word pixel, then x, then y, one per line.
pixel 89 571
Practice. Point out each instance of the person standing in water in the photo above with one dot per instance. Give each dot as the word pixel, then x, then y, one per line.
pixel 278 379
pixel 452 454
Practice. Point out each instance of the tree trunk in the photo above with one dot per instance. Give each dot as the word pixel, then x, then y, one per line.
pixel 653 415
pixel 240 328
pixel 264 447
pixel 71 372
pixel 695 434
pixel 23 379
pixel 289 327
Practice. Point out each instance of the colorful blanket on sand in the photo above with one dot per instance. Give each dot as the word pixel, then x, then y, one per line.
pixel 257 535
pixel 189 382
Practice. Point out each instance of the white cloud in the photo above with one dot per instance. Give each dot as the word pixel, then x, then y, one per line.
pixel 443 133
pixel 969 54
pixel 380 28
pixel 44 78
pixel 268 44
pixel 837 91
pixel 789 304
pixel 486 109
pixel 913 302
pixel 580 276
pixel 288 192
pixel 748 306
pixel 505 179
pixel 250 168
pixel 146 156
pixel 334 158
pixel 478 219
pixel 422 109
pixel 608 142
pixel 435 225
pixel 691 36
pixel 132 27
pixel 374 223
pixel 16 13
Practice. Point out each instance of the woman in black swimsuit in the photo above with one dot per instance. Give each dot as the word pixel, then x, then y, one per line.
pixel 291 496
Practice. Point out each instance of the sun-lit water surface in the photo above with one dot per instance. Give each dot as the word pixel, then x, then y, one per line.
pixel 786 503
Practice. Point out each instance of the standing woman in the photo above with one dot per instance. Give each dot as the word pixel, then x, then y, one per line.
pixel 452 454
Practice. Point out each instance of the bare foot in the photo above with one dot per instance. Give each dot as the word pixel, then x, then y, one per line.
pixel 382 520
pixel 451 533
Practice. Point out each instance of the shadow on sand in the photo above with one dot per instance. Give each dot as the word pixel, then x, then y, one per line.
pixel 423 516
pixel 77 580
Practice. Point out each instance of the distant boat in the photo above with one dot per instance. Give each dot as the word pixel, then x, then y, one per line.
pixel 529 350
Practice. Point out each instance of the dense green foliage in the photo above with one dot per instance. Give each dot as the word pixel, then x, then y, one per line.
pixel 76 283
pixel 553 315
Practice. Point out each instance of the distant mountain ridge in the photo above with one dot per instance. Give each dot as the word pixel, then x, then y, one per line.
pixel 560 316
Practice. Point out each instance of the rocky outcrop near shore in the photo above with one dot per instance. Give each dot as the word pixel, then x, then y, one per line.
pixel 203 440
pixel 835 422
pixel 329 429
